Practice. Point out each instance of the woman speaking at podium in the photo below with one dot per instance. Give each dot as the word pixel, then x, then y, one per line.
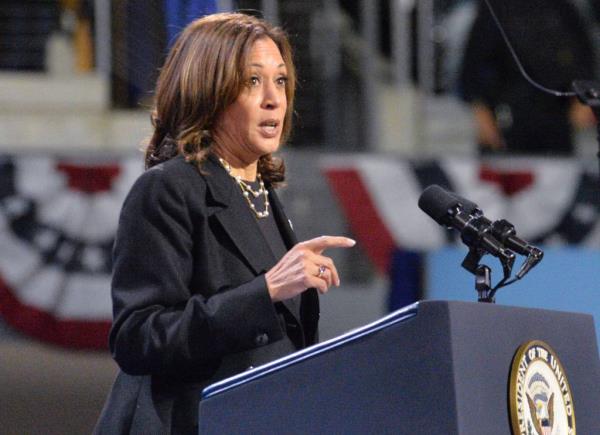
pixel 208 279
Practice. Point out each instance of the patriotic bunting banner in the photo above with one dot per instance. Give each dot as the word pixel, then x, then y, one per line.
pixel 58 217
pixel 57 224
pixel 550 201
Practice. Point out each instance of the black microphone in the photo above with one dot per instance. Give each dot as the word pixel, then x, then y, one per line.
pixel 453 212
pixel 503 231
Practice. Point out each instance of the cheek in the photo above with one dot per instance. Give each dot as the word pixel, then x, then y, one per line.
pixel 242 115
pixel 235 121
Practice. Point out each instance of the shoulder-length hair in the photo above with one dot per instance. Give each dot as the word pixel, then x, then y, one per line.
pixel 205 71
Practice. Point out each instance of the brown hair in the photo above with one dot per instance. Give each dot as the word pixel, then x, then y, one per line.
pixel 204 73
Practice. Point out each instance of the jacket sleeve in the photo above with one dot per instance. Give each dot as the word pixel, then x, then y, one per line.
pixel 160 326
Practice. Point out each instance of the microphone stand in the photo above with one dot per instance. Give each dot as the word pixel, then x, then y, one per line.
pixel 472 236
pixel 483 284
pixel 483 276
pixel 588 92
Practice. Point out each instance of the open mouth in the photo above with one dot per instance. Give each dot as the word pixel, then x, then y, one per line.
pixel 269 127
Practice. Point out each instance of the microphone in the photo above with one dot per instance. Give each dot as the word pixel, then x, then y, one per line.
pixel 503 231
pixel 452 211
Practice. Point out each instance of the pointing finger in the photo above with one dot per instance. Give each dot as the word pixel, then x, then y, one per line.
pixel 319 244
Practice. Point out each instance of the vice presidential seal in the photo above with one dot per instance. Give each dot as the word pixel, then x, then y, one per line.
pixel 539 393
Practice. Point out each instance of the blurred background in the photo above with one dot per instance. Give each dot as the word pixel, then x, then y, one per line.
pixel 393 95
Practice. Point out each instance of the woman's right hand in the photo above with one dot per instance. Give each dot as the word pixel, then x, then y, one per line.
pixel 304 267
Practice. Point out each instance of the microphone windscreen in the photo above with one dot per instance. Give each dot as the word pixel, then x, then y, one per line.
pixel 437 202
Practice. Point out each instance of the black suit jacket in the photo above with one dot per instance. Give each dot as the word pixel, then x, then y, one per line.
pixel 190 300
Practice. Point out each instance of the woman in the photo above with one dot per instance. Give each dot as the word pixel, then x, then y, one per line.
pixel 208 279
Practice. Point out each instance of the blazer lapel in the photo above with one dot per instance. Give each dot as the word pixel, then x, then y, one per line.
pixel 309 307
pixel 289 239
pixel 283 223
pixel 232 211
pixel 236 218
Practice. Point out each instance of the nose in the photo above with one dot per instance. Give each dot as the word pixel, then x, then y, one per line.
pixel 272 96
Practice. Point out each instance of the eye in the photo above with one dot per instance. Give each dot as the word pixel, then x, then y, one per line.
pixel 253 81
pixel 282 81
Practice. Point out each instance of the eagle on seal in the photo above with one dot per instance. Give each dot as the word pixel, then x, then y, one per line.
pixel 543 426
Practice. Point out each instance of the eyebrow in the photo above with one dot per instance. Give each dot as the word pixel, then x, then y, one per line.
pixel 260 65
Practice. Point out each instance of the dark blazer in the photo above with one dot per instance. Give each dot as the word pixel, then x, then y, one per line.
pixel 190 300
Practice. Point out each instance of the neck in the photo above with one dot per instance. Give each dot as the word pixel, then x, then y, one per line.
pixel 246 170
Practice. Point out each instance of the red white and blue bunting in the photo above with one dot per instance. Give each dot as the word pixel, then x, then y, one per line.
pixel 550 201
pixel 58 218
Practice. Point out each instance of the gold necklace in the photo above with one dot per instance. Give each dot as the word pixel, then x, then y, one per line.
pixel 247 190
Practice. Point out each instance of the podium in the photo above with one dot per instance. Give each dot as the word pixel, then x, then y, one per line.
pixel 434 367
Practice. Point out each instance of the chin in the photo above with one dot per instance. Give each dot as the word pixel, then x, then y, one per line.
pixel 268 147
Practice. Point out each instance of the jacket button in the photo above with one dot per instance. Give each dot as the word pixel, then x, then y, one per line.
pixel 261 339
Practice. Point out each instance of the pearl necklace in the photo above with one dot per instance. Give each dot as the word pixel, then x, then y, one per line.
pixel 247 191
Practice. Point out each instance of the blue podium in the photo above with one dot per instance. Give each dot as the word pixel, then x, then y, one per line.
pixel 435 367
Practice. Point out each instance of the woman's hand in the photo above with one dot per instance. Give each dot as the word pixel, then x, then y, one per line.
pixel 304 267
pixel 488 133
pixel 580 116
